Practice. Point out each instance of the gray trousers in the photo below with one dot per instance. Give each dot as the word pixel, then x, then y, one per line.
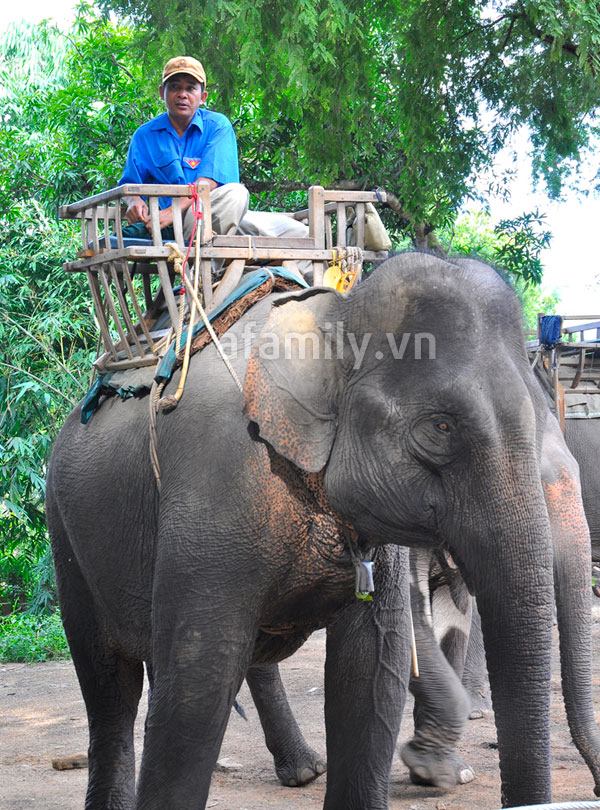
pixel 228 205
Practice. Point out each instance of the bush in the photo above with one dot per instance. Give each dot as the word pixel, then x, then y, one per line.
pixel 24 637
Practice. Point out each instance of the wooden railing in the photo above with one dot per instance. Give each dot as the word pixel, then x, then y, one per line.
pixel 122 275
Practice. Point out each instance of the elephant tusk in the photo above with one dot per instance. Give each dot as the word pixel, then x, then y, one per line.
pixel 413 646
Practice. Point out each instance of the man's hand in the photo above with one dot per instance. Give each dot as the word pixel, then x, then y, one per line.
pixel 137 210
pixel 165 218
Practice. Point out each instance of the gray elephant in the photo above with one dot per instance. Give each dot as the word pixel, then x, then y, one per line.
pixel 348 449
pixel 583 439
pixel 443 601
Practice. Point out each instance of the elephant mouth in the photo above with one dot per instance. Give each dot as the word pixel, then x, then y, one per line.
pixel 461 567
pixel 378 530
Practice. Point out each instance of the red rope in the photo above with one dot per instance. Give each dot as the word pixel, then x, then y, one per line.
pixel 197 212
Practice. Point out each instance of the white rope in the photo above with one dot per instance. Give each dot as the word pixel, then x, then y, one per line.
pixel 213 335
pixel 351 259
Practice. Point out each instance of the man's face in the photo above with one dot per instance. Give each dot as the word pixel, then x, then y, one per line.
pixel 182 94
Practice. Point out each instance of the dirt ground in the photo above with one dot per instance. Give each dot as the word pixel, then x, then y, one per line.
pixel 43 717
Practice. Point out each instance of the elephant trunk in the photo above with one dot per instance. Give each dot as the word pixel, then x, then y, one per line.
pixel 573 591
pixel 511 576
pixel 516 620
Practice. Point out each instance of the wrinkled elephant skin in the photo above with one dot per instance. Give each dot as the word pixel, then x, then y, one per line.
pixel 404 430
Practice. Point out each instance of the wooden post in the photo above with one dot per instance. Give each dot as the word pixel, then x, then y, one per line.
pixel 360 225
pixel 341 224
pixel 94 227
pixel 178 222
pixel 206 231
pixel 205 235
pixel 118 225
pixel 316 228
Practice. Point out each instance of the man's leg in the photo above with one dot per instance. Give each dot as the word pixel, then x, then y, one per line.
pixel 272 223
pixel 228 204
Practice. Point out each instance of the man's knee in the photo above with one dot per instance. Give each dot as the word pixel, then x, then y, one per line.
pixel 232 196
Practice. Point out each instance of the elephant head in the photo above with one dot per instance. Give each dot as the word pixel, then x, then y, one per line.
pixel 413 396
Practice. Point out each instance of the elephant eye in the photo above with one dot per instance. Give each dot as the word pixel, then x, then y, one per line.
pixel 444 427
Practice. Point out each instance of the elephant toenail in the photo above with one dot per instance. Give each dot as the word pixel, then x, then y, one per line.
pixel 465 776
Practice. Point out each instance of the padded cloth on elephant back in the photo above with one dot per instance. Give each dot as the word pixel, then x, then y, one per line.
pixel 138 382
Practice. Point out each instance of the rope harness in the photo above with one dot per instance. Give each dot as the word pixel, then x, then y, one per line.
pixel 179 261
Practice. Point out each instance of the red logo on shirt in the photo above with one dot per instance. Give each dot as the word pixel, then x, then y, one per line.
pixel 192 162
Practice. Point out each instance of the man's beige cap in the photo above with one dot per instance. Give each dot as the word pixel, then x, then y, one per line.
pixel 184 64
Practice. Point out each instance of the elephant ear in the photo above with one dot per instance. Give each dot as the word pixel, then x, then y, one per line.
pixel 293 378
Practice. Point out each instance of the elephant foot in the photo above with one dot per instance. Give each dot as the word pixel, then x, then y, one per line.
pixel 480 703
pixel 444 769
pixel 301 768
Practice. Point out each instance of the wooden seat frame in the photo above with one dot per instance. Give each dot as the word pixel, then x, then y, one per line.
pixel 110 270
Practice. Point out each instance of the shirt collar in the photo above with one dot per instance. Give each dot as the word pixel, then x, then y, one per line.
pixel 162 122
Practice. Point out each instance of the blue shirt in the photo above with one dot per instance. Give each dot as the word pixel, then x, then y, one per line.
pixel 207 148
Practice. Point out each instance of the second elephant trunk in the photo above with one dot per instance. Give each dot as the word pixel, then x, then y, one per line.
pixel 573 591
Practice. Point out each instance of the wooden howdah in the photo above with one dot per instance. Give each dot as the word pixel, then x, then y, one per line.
pixel 570 371
pixel 132 284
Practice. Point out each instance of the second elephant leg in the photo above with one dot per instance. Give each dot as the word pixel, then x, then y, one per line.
pixel 295 761
pixel 441 703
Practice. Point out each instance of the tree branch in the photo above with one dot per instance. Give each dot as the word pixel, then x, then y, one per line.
pixel 39 342
pixel 39 379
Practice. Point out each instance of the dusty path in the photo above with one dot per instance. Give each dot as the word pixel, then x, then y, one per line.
pixel 43 717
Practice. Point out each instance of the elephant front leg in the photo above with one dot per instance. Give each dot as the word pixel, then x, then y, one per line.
pixel 366 678
pixel 199 661
pixel 295 761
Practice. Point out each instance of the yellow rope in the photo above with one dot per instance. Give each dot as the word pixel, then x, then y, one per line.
pixel 343 271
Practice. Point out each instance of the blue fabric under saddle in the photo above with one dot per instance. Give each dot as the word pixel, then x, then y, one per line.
pixel 137 382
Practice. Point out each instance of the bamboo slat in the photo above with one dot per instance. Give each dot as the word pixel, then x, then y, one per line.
pixel 113 312
pixel 130 332
pixel 316 227
pixel 100 316
pixel 341 224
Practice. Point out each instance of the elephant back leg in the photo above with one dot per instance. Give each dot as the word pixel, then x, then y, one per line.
pixel 111 686
pixel 441 703
pixel 295 761
pixel 474 677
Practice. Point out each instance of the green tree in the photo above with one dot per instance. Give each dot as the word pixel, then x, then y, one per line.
pixel 414 95
pixel 513 247
pixel 69 104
